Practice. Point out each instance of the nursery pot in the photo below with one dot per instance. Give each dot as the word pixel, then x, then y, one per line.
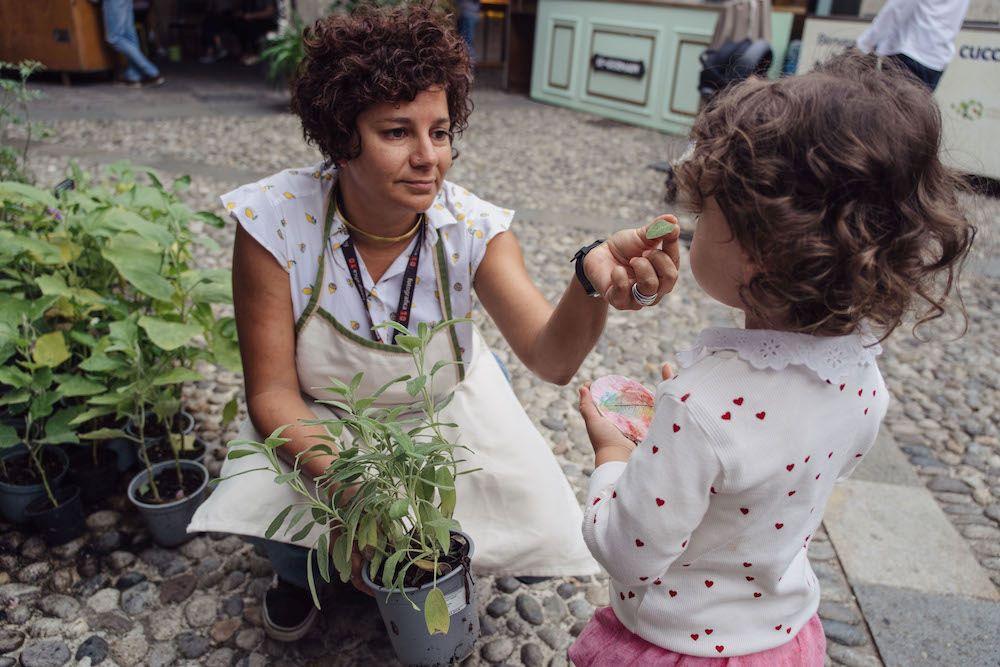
pixel 95 482
pixel 58 525
pixel 407 628
pixel 14 498
pixel 168 521
pixel 186 419
pixel 160 450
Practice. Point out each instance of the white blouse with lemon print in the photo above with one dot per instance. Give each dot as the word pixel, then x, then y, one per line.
pixel 285 214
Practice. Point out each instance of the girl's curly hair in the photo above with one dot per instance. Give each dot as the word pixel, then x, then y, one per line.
pixel 376 54
pixel 832 184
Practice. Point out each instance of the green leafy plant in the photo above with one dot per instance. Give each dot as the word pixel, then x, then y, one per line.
pixel 285 51
pixel 111 266
pixel 34 385
pixel 15 98
pixel 391 488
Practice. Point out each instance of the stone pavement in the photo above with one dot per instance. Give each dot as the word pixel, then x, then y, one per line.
pixel 906 570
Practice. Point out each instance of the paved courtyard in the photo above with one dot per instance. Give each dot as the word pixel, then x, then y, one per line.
pixel 909 560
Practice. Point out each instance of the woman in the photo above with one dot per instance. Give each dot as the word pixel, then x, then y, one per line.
pixel 322 254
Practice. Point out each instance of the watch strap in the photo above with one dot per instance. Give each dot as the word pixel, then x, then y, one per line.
pixel 588 287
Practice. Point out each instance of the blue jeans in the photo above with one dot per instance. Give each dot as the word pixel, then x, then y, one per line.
pixel 929 77
pixel 119 31
pixel 289 562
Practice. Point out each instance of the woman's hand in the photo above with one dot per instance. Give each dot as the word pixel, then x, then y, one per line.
pixel 629 257
pixel 608 442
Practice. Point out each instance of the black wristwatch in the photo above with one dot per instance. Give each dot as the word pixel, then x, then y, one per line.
pixel 580 275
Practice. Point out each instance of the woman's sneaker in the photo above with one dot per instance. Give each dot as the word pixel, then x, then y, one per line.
pixel 289 612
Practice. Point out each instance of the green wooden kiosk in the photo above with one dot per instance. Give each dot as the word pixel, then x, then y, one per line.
pixel 635 62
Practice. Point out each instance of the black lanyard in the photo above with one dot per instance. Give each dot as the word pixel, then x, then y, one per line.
pixel 405 292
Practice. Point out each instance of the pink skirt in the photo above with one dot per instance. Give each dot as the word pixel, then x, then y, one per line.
pixel 605 642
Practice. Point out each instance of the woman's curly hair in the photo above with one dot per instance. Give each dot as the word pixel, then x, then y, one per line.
pixel 832 184
pixel 376 55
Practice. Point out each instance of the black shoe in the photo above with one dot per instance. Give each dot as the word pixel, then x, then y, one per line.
pixel 289 612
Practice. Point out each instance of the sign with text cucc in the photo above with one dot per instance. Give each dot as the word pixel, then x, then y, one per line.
pixel 968 94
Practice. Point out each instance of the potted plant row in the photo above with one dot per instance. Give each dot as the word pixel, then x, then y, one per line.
pixel 390 494
pixel 103 317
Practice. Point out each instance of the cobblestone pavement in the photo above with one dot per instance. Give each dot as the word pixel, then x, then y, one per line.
pixel 113 597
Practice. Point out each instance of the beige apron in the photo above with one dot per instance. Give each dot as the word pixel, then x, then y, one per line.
pixel 519 508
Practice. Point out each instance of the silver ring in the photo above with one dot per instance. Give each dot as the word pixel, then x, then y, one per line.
pixel 641 298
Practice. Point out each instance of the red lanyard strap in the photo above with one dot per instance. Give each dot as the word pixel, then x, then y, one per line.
pixel 405 291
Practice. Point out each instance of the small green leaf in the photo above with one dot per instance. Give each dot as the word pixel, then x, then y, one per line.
pixel 323 556
pixel 414 386
pixel 658 229
pixel 342 557
pixel 276 522
pixel 8 436
pixel 169 335
pixel 390 568
pixel 436 612
pixel 399 509
pixel 78 385
pixel 229 411
pixel 408 343
pixel 50 349
pixel 177 376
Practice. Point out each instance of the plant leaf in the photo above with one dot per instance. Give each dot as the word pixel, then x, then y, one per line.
pixel 323 556
pixel 399 509
pixel 276 522
pixel 176 376
pixel 78 385
pixel 50 349
pixel 168 335
pixel 436 612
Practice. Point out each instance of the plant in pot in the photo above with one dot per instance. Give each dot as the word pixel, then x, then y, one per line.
pixel 31 465
pixel 161 323
pixel 390 492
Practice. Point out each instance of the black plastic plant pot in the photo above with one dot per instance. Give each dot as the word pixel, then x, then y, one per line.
pixel 96 482
pixel 15 497
pixel 58 525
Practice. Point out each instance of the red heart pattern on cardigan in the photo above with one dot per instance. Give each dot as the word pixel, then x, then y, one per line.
pixel 727 416
pixel 660 502
pixel 738 401
pixel 676 428
pixel 760 415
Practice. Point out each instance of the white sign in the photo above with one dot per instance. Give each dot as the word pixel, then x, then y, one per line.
pixel 968 94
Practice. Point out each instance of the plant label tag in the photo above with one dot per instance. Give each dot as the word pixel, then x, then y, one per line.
pixel 455 601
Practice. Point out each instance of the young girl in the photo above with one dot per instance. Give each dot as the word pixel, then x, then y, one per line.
pixel 824 214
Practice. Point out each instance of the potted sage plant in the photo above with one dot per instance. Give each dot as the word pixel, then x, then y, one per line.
pixel 390 493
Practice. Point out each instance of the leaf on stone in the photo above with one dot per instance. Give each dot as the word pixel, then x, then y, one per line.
pixel 658 229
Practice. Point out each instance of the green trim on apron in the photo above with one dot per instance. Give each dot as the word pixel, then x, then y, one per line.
pixel 360 340
pixel 441 273
pixel 445 286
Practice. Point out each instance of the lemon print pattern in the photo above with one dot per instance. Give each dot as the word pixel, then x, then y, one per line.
pixel 310 219
pixel 307 290
pixel 248 212
pixel 281 234
pixel 230 205
pixel 355 325
pixel 289 195
pixel 331 288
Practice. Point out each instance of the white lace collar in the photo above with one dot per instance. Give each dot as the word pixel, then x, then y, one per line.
pixel 829 357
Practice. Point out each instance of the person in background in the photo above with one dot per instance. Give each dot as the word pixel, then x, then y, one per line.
pixel 468 17
pixel 119 32
pixel 254 20
pixel 218 20
pixel 919 34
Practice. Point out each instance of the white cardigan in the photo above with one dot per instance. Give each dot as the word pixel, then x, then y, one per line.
pixel 705 531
